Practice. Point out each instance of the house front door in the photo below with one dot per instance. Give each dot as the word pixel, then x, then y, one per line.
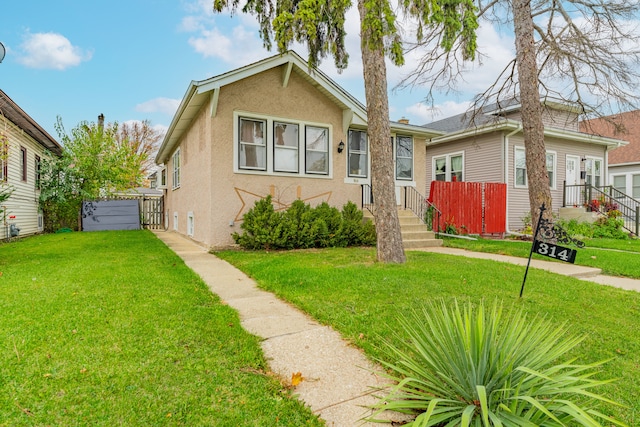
pixel 572 177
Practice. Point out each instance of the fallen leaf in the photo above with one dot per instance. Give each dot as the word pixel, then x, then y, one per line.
pixel 169 415
pixel 361 336
pixel 46 375
pixel 296 379
pixel 83 370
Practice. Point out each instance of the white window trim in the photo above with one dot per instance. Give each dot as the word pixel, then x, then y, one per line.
pixel 190 224
pixel 602 174
pixel 237 115
pixel 395 158
pixel 552 185
pixel 630 182
pixel 175 183
pixel 447 158
pixel 627 177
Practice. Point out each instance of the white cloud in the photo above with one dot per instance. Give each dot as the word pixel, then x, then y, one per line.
pixel 52 51
pixel 159 105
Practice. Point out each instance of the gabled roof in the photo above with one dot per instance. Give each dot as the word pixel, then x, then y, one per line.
pixel 207 91
pixel 15 114
pixel 629 130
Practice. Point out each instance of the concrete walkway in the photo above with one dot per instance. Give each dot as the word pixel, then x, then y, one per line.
pixel 339 381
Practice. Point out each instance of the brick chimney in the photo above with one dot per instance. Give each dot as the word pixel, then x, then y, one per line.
pixel 404 121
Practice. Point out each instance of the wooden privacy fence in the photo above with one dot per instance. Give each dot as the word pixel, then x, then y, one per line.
pixel 472 207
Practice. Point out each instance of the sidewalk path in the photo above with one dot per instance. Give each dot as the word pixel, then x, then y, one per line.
pixel 580 272
pixel 338 379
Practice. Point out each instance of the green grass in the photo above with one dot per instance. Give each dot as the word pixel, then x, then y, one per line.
pixel 614 257
pixel 362 299
pixel 112 329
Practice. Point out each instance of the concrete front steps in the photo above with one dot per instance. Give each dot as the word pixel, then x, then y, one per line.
pixel 415 234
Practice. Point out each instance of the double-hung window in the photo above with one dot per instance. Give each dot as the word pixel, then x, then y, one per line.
pixel 551 168
pixel 253 144
pixel 635 186
pixel 285 148
pixel 449 167
pixel 4 161
pixel 358 154
pixel 317 150
pixel 520 166
pixel 620 185
pixel 404 158
pixel 176 169
pixel 593 169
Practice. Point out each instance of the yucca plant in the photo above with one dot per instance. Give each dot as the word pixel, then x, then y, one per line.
pixel 471 366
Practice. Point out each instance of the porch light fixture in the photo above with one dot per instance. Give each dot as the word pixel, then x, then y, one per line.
pixel 341 147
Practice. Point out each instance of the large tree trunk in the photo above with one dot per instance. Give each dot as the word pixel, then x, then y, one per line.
pixel 389 243
pixel 533 127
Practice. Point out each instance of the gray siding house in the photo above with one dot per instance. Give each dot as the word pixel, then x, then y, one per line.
pixel 489 147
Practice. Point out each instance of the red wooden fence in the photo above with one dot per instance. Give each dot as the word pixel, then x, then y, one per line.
pixel 472 207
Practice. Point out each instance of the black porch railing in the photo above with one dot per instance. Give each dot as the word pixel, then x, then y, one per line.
pixel 592 197
pixel 367 198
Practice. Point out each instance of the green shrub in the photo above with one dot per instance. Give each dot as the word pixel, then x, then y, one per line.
pixel 467 366
pixel 262 227
pixel 302 226
pixel 606 226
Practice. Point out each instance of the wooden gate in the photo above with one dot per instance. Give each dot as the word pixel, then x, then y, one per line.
pixel 471 207
pixel 152 212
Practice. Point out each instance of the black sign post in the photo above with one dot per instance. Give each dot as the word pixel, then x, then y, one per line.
pixel 547 246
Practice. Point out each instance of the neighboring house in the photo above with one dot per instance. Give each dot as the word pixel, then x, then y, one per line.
pixel 276 128
pixel 23 143
pixel 624 162
pixel 489 147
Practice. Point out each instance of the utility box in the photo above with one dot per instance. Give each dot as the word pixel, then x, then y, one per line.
pixel 14 230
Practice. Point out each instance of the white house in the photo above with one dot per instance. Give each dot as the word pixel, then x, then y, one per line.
pixel 23 144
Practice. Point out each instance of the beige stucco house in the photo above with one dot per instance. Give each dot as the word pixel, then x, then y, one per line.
pixel 273 127
pixel 23 144
pixel 489 147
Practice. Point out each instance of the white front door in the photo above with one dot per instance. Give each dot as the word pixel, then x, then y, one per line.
pixel 572 177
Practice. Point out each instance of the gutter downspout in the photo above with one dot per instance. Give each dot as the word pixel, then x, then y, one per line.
pixel 506 173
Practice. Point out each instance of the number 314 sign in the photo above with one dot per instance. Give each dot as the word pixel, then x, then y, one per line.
pixel 554 251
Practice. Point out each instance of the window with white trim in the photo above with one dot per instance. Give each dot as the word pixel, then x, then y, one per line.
pixel 253 148
pixel 404 157
pixel 620 183
pixel 551 168
pixel 593 169
pixel 317 150
pixel 635 186
pixel 176 169
pixel 274 145
pixel 190 224
pixel 520 167
pixel 449 167
pixel 23 163
pixel 358 152
pixel 38 172
pixel 285 147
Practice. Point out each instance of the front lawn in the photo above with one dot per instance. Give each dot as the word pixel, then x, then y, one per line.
pixel 347 289
pixel 614 257
pixel 112 329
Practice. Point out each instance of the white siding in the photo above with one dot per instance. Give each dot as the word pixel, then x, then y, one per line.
pixel 23 203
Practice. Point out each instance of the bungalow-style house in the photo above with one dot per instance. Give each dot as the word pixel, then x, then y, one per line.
pixel 23 144
pixel 489 147
pixel 624 162
pixel 278 128
pixel 275 128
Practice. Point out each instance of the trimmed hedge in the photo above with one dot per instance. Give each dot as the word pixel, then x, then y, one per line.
pixel 302 226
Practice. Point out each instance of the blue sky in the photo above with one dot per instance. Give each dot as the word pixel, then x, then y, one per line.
pixel 134 60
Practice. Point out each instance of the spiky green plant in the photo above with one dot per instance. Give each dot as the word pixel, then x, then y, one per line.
pixel 469 366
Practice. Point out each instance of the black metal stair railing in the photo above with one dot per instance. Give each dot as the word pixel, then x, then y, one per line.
pixel 593 197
